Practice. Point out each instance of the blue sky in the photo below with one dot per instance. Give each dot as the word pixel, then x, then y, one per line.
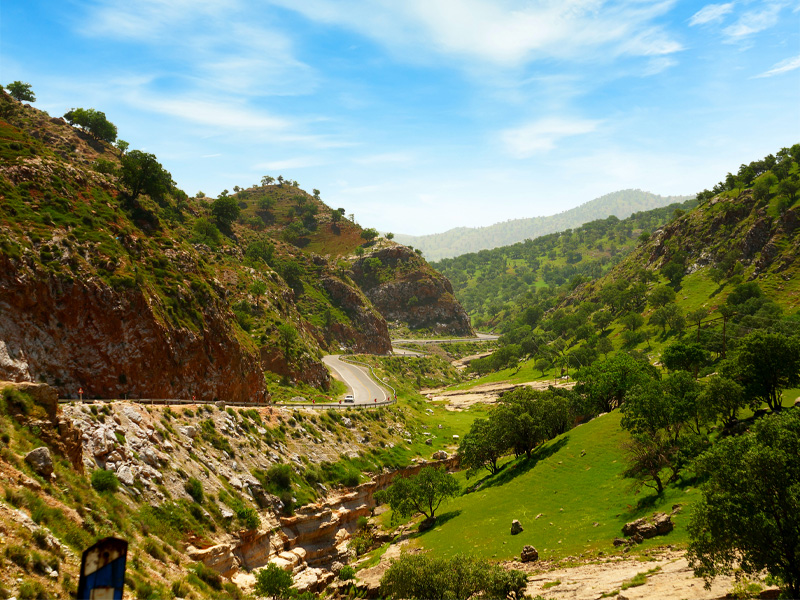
pixel 422 115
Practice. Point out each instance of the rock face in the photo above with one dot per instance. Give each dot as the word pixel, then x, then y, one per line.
pixel 41 461
pixel 406 290
pixel 516 527
pixel 85 334
pixel 529 554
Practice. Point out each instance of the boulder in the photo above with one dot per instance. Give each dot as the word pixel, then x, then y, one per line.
pixel 189 431
pixel 644 528
pixel 41 461
pixel 529 554
pixel 516 527
pixel 125 475
pixel 440 455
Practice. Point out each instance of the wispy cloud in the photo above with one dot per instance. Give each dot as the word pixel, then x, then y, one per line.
pixel 384 158
pixel 790 64
pixel 710 13
pixel 501 32
pixel 754 21
pixel 543 135
pixel 299 162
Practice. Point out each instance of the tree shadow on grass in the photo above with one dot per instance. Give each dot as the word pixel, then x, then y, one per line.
pixel 521 466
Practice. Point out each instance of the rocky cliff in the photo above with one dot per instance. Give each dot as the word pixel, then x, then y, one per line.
pixel 407 291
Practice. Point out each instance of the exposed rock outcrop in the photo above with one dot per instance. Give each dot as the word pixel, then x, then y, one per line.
pixel 405 289
pixel 111 343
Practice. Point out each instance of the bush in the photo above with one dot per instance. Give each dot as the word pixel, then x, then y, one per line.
pixel 347 573
pixel 105 481
pixel 280 476
pixel 248 517
pixel 19 556
pixel 273 581
pixel 194 488
pixel 208 576
pixel 32 590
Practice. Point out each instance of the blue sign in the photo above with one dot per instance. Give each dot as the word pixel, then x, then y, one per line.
pixel 103 570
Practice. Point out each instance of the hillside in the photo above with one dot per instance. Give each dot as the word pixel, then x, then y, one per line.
pixel 462 240
pixel 493 284
pixel 116 282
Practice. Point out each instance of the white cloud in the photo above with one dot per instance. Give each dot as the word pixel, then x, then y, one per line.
pixel 754 21
pixel 659 64
pixel 501 32
pixel 790 64
pixel 543 135
pixel 710 13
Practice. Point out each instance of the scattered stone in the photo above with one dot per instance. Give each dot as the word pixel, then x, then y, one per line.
pixel 189 431
pixel 620 541
pixel 529 554
pixel 41 461
pixel 516 527
pixel 661 524
pixel 439 455
pixel 125 475
pixel 429 442
pixel 539 515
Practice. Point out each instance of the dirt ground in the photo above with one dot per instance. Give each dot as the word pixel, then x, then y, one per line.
pixel 486 393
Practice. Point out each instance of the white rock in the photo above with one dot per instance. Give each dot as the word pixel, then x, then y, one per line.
pixel 132 414
pixel 125 475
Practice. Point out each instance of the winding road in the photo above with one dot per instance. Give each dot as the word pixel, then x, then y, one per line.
pixel 365 389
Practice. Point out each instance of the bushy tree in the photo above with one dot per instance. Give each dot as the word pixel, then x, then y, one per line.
pixel 484 445
pixel 274 582
pixel 205 232
pixel 94 122
pixel 749 515
pixel 369 234
pixel 141 173
pixel 766 364
pixel 684 356
pixel 225 210
pixel 723 398
pixel 422 493
pixel 602 386
pixel 21 91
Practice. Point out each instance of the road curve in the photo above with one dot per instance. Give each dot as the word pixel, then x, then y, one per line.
pixel 357 378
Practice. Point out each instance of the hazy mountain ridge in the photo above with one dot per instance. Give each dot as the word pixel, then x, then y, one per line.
pixel 462 240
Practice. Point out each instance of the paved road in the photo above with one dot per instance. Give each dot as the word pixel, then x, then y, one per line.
pixel 481 337
pixel 357 378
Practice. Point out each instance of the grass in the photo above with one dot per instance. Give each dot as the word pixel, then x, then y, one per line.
pixel 570 491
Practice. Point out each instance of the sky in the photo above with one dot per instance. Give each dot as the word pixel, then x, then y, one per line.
pixel 418 116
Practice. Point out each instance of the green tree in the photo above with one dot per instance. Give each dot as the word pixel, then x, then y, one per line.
pixel 369 234
pixel 260 250
pixel 205 232
pixel 483 446
pixel 287 336
pixel 721 397
pixel 661 296
pixel 21 91
pixel 141 173
pixel 225 210
pixel 267 180
pixel 389 235
pixel 258 289
pixel 122 146
pixel 602 386
pixel 632 321
pixel 604 346
pixel 94 122
pixel 749 515
pixel 766 364
pixel 602 319
pixel 422 493
pixel 274 582
pixel 647 456
pixel 684 356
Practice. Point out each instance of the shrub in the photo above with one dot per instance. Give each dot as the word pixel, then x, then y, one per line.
pixel 194 488
pixel 152 547
pixel 207 575
pixel 347 573
pixel 273 581
pixel 105 481
pixel 18 555
pixel 248 517
pixel 32 590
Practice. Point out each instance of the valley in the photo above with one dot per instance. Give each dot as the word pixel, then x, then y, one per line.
pixel 635 367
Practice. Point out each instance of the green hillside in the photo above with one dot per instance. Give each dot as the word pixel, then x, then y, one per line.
pixel 463 240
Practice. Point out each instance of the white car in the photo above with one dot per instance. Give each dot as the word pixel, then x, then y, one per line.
pixel 349 398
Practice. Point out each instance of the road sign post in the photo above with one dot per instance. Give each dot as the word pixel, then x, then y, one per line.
pixel 102 574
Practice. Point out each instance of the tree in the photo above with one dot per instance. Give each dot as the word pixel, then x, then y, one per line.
pixel 258 289
pixel 21 91
pixel 389 235
pixel 94 122
pixel 287 336
pixel 260 250
pixel 122 146
pixel 749 515
pixel 267 180
pixel 273 581
pixel 683 356
pixel 205 232
pixel 604 346
pixel 316 193
pixel 483 446
pixel 766 364
pixel 225 210
pixel 141 173
pixel 721 397
pixel 647 456
pixel 603 385
pixel 422 493
pixel 632 321
pixel 661 296
pixel 369 234
pixel 602 319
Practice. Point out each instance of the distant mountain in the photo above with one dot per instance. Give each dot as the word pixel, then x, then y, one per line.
pixel 462 240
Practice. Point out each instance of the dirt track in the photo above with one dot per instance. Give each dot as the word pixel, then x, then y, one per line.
pixel 486 393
